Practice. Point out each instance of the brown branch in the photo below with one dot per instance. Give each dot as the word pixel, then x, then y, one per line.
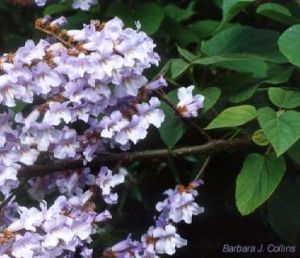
pixel 212 147
pixel 162 96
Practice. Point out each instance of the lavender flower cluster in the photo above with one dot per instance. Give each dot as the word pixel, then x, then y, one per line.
pixel 94 77
pixel 162 238
pixel 84 5
pixel 62 228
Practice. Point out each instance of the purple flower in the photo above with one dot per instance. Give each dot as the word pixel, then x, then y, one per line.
pixel 167 239
pixel 150 112
pixel 135 130
pixel 188 104
pixel 83 4
pixel 106 181
pixel 68 144
pixel 31 52
pixel 40 2
pixel 112 124
pixel 26 245
pixel 57 112
pixel 59 22
pixel 130 85
pixel 29 219
pixel 157 84
pixel 45 78
pixel 9 91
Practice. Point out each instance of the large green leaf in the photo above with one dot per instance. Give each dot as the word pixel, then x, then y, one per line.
pixel 204 29
pixel 259 177
pixel 232 7
pixel 177 13
pixel 173 128
pixel 243 94
pixel 121 10
pixel 150 15
pixel 57 8
pixel 181 34
pixel 276 12
pixel 211 94
pixel 289 44
pixel 178 67
pixel 233 116
pixel 186 54
pixel 79 18
pixel 257 68
pixel 247 42
pixel 284 98
pixel 278 74
pixel 284 210
pixel 282 129
pixel 236 62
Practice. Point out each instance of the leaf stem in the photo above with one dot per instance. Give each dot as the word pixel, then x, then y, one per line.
pixel 204 166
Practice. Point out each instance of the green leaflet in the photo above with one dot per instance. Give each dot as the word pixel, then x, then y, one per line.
pixel 259 177
pixel 281 129
pixel 233 116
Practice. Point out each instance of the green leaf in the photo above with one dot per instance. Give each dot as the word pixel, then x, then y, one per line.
pixel 150 15
pixel 204 29
pixel 281 129
pixel 173 128
pixel 276 12
pixel 259 138
pixel 232 7
pixel 178 67
pixel 217 59
pixel 78 19
pixel 211 94
pixel 178 32
pixel 243 94
pixel 247 42
pixel 284 98
pixel 177 13
pixel 122 11
pixel 243 64
pixel 289 44
pixel 257 68
pixel 57 8
pixel 233 116
pixel 278 74
pixel 258 179
pixel 283 210
pixel 186 54
pixel 236 62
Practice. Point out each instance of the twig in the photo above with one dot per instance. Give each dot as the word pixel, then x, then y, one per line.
pixel 204 166
pixel 164 98
pixel 214 146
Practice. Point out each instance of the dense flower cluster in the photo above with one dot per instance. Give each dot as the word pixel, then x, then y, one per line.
pixel 162 238
pixel 95 78
pixel 86 94
pixel 62 228
pixel 77 4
